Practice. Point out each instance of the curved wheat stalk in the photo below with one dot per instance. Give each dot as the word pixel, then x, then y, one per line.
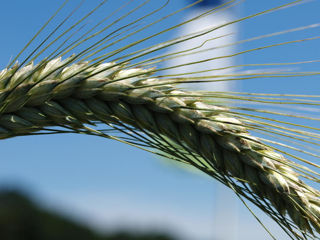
pixel 81 92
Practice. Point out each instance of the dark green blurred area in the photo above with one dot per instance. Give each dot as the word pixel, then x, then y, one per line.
pixel 22 219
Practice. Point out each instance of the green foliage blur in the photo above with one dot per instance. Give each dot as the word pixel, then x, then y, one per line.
pixel 22 219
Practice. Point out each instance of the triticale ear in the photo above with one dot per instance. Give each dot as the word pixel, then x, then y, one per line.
pixel 109 79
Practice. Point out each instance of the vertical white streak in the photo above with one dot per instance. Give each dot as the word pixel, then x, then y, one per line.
pixel 225 223
pixel 207 22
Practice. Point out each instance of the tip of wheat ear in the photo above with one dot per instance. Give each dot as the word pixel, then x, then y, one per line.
pixel 51 94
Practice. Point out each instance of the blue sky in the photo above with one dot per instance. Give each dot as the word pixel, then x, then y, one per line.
pixel 108 184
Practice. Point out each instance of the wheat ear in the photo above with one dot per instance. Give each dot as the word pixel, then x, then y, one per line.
pixel 150 112
pixel 34 97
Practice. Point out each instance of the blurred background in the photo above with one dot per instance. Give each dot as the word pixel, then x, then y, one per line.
pixel 85 187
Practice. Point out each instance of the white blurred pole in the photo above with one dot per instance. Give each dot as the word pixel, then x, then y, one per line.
pixel 225 224
pixel 213 20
